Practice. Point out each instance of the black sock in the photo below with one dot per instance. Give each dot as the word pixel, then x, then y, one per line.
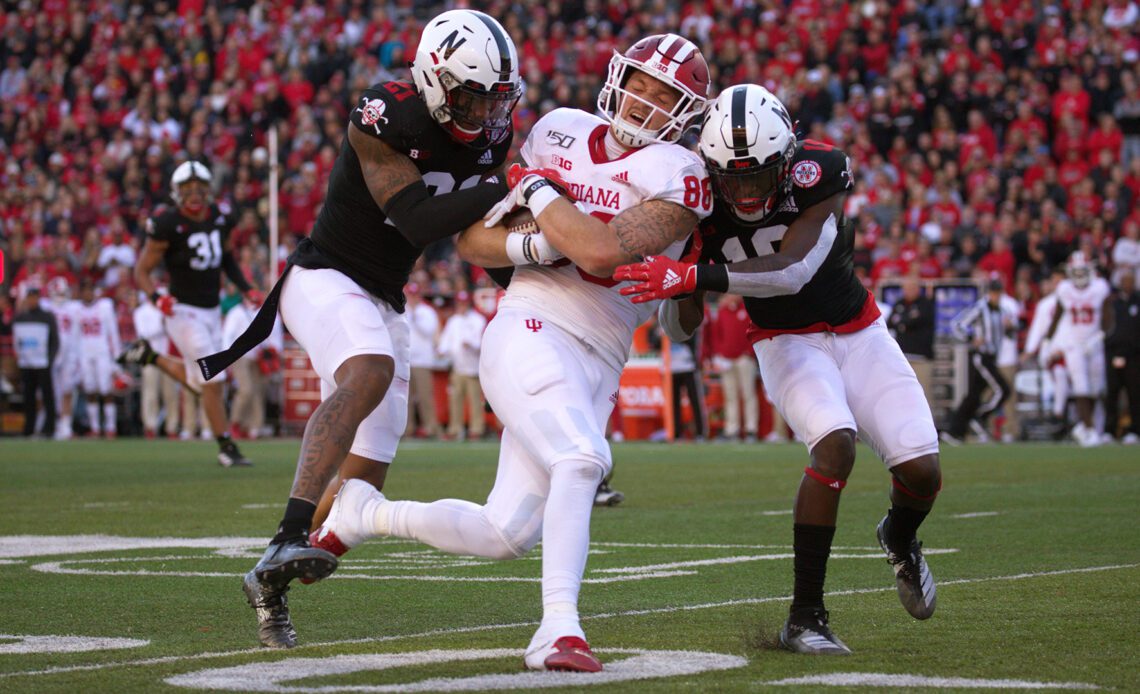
pixel 812 546
pixel 298 517
pixel 223 440
pixel 902 524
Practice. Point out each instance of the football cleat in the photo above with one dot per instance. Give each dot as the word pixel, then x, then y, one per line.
pixel 350 519
pixel 950 439
pixel 916 587
pixel 565 654
pixel 138 352
pixel 607 495
pixel 284 561
pixel 807 631
pixel 230 456
pixel 274 628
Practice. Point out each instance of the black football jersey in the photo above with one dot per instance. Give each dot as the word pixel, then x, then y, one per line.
pixel 352 234
pixel 194 257
pixel 834 295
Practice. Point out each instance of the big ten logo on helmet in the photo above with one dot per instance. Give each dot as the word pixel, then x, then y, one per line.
pixel 560 139
pixel 561 162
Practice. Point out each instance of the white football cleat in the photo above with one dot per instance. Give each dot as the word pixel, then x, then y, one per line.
pixel 565 654
pixel 350 519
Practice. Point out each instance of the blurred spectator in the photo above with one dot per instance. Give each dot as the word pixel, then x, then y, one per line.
pixel 1122 351
pixel 460 342
pixel 734 360
pixel 911 321
pixel 36 339
pixel 424 323
pixel 158 392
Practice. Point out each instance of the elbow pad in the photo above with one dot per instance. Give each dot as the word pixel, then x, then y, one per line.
pixel 423 219
pixel 669 318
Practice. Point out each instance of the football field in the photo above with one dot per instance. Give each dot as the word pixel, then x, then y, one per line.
pixel 121 565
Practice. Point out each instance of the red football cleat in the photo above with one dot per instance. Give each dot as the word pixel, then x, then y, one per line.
pixel 572 654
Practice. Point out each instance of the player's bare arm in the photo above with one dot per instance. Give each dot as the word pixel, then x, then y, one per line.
pixel 598 247
pixel 386 171
pixel 149 259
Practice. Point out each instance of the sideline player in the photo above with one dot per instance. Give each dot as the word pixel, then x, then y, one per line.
pixel 1077 333
pixel 553 354
pixel 66 373
pixel 779 238
pixel 192 240
pixel 409 173
pixel 98 344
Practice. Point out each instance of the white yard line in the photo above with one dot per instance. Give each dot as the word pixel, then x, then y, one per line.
pixel 491 627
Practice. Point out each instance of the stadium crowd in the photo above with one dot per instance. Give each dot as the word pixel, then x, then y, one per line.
pixel 988 138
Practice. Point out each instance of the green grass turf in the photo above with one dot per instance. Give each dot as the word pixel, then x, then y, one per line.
pixel 1003 611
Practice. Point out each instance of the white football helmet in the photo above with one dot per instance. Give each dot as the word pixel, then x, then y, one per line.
pixel 467 70
pixel 670 58
pixel 748 143
pixel 59 289
pixel 188 171
pixel 1079 270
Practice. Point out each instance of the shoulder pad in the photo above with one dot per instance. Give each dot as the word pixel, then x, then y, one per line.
pixel 388 111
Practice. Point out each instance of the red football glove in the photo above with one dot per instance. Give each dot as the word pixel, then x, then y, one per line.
pixel 518 171
pixel 660 277
pixel 254 297
pixel 165 303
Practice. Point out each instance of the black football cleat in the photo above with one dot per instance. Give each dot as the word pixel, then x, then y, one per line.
pixel 285 561
pixel 230 456
pixel 138 352
pixel 917 591
pixel 607 495
pixel 274 628
pixel 807 632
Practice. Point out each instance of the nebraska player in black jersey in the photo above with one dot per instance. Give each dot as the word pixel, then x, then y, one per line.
pixel 411 171
pixel 192 241
pixel 779 238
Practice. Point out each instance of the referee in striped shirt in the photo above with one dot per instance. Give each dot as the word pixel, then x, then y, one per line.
pixel 984 325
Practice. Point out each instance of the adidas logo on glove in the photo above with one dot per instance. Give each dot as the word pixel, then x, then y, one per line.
pixel 671 278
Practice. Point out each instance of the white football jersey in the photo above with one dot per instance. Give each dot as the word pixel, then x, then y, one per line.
pixel 98 329
pixel 573 143
pixel 66 317
pixel 1082 310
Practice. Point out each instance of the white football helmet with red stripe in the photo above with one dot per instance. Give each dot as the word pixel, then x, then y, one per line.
pixel 670 58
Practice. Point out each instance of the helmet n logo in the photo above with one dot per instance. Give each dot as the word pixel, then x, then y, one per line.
pixel 450 44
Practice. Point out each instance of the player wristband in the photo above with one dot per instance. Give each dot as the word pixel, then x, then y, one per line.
pixel 538 195
pixel 517 249
pixel 713 278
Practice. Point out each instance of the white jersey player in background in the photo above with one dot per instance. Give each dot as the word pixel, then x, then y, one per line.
pixel 553 354
pixel 65 371
pixel 1038 346
pixel 98 344
pixel 1077 332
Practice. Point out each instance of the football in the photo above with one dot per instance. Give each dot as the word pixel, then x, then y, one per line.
pixel 520 221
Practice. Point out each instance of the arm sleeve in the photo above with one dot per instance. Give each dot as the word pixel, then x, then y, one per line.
pixel 233 271
pixel 789 280
pixel 962 325
pixel 423 219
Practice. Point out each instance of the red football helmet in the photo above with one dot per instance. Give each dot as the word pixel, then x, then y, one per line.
pixel 670 58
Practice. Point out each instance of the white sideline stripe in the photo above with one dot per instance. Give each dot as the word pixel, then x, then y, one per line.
pixel 878 679
pixel 777 513
pixel 756 557
pixel 532 623
pixel 976 514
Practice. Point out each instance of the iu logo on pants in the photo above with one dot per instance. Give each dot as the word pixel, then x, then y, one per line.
pixel 533 324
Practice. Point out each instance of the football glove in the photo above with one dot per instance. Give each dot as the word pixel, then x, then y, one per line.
pixel 533 188
pixel 165 303
pixel 660 277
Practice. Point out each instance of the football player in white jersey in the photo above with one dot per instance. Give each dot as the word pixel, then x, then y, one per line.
pixel 553 354
pixel 65 369
pixel 98 343
pixel 779 238
pixel 1077 332
pixel 1038 346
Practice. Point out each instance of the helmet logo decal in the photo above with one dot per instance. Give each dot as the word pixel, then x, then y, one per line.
pixel 807 173
pixel 450 44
